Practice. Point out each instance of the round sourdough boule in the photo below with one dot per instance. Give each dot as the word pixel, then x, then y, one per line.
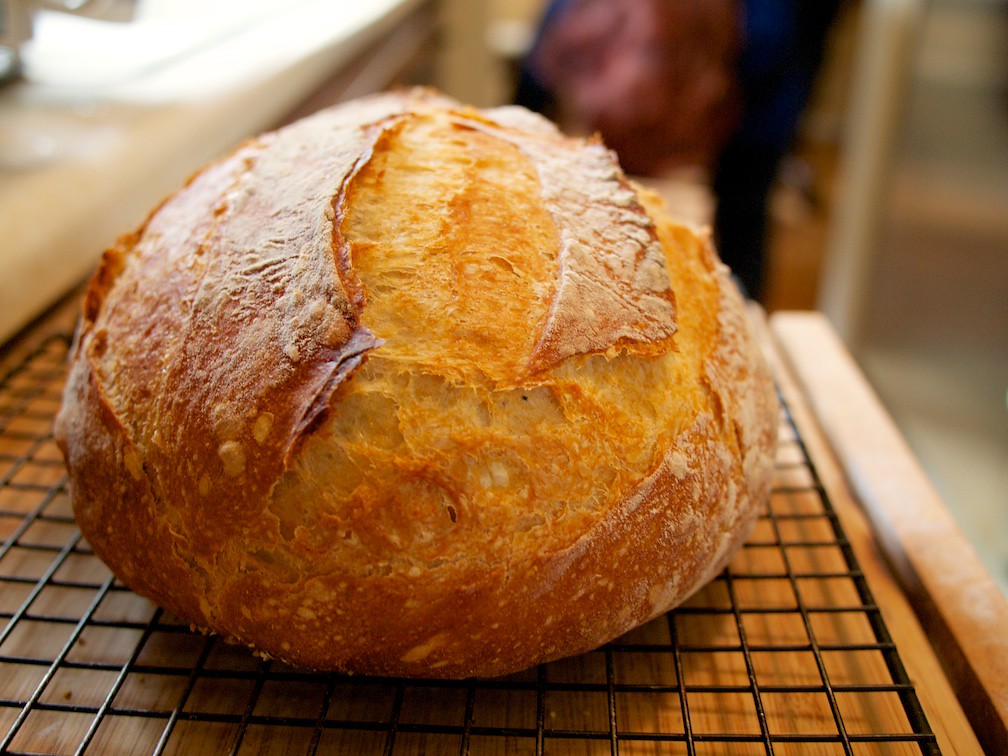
pixel 407 388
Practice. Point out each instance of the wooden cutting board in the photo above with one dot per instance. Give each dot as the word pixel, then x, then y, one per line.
pixel 782 651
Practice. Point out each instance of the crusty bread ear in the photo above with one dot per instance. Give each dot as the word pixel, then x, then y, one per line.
pixel 410 388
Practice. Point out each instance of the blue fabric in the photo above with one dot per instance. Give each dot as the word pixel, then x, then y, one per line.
pixel 774 74
pixel 768 28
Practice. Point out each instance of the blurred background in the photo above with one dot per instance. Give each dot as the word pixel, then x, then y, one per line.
pixel 884 125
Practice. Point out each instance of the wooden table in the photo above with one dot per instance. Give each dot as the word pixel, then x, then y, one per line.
pixel 128 678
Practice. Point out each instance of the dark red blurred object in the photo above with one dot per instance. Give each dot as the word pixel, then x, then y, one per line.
pixel 656 78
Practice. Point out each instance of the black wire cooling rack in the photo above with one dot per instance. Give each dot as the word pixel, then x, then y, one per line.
pixel 785 652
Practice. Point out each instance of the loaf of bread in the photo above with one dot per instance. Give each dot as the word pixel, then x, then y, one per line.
pixel 409 388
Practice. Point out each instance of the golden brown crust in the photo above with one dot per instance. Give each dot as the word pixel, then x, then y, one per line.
pixel 612 288
pixel 261 443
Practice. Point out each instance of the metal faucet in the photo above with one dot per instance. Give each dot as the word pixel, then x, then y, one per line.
pixel 16 26
pixel 15 29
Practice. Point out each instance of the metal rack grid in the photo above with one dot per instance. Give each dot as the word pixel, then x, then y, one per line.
pixel 786 651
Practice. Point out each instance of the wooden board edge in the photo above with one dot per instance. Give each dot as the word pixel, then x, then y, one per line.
pixel 952 728
pixel 60 319
pixel 957 602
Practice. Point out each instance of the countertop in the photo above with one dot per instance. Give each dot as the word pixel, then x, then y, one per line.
pixel 81 164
